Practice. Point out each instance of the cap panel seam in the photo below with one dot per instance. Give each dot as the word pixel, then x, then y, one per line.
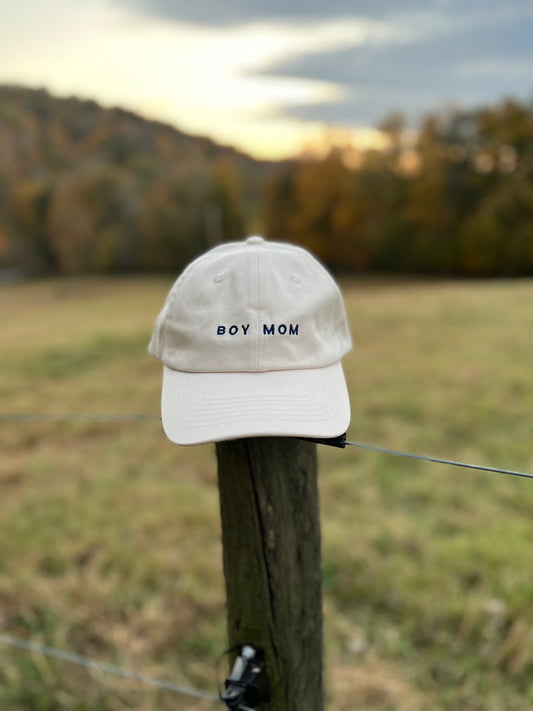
pixel 258 309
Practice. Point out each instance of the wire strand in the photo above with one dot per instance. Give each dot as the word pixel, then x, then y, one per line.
pixel 80 417
pixel 80 660
pixel 438 460
pixel 76 417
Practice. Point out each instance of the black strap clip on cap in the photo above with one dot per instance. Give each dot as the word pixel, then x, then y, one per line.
pixel 339 441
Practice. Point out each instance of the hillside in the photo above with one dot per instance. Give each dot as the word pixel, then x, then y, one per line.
pixel 87 188
pixel 90 189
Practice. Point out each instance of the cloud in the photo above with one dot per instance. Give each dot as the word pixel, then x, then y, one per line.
pixel 466 60
pixel 411 56
pixel 230 12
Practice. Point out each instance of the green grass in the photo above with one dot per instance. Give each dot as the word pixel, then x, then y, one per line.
pixel 110 535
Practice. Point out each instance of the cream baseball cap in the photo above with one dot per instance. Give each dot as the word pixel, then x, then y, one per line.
pixel 251 337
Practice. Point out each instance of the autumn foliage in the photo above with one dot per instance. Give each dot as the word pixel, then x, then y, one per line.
pixel 88 189
pixel 457 199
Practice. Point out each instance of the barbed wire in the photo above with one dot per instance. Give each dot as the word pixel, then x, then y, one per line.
pixel 88 663
pixel 81 417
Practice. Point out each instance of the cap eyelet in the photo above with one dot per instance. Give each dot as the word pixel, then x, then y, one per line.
pixel 219 277
pixel 296 279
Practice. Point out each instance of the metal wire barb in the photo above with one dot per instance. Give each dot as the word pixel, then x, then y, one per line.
pixel 82 661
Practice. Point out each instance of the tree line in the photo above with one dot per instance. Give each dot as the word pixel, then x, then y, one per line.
pixel 457 199
pixel 89 189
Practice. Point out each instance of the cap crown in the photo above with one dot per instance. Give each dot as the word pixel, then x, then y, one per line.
pixel 252 306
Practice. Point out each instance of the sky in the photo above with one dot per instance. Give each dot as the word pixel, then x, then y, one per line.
pixel 273 78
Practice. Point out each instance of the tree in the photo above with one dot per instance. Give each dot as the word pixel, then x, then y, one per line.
pixel 498 238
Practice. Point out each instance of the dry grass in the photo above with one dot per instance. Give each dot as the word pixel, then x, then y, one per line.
pixel 110 540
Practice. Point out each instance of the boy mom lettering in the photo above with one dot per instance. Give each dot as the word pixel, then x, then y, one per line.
pixel 281 329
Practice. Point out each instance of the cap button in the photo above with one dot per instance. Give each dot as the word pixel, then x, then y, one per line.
pixel 255 240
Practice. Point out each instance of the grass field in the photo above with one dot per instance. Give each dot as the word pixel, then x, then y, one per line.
pixel 110 539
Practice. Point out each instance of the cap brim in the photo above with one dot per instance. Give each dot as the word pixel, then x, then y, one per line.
pixel 210 407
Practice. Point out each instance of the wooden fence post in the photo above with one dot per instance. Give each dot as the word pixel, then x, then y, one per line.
pixel 271 539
